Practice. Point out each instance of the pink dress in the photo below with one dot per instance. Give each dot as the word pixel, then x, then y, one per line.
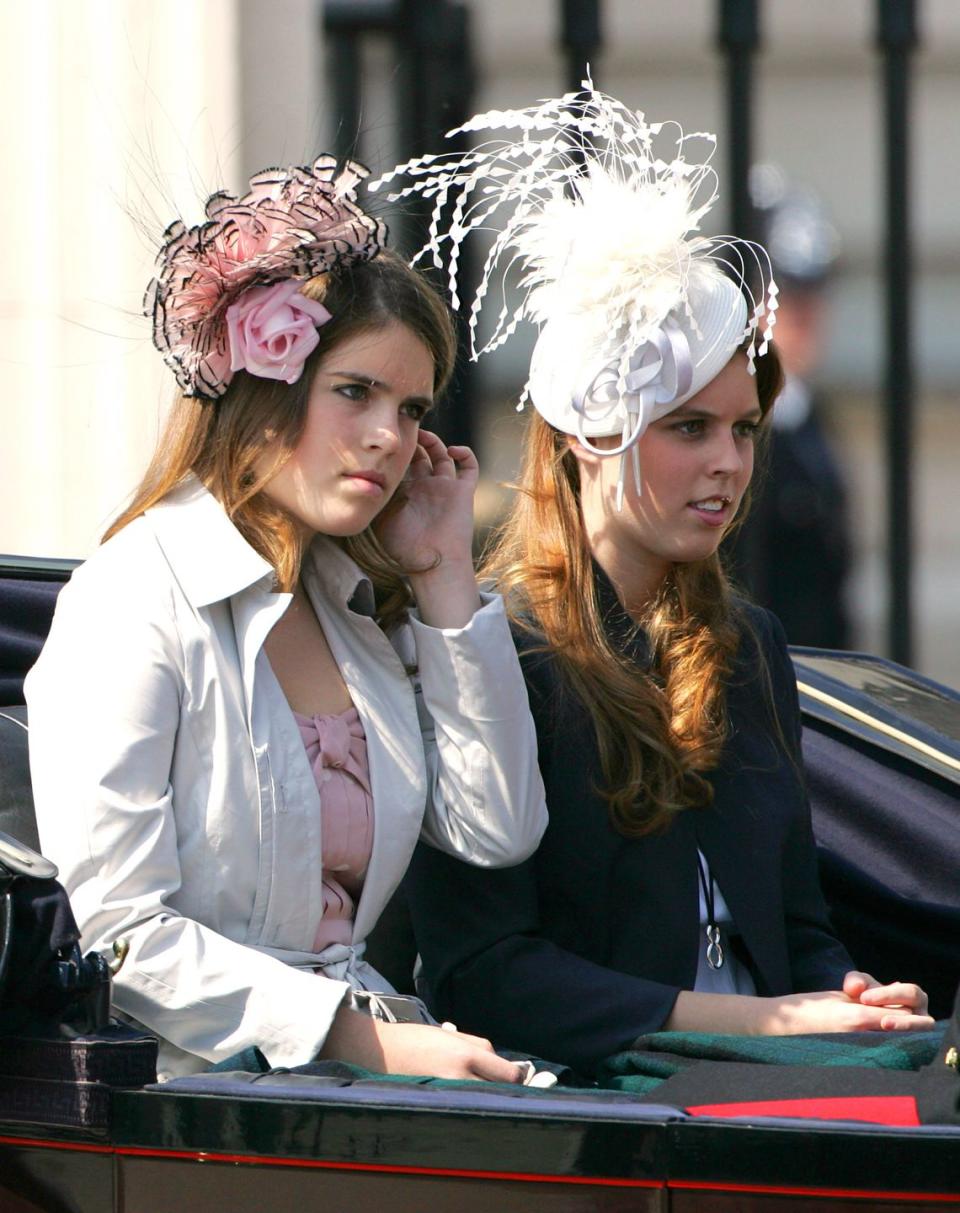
pixel 337 752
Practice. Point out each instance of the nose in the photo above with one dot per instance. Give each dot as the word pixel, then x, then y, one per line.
pixel 729 454
pixel 383 433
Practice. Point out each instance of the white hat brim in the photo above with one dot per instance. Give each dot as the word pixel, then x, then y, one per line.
pixel 568 358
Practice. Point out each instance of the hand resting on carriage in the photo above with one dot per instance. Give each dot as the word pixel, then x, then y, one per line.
pixel 862 1005
pixel 414 1048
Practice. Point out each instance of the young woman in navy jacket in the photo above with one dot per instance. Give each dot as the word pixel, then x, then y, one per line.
pixel 676 886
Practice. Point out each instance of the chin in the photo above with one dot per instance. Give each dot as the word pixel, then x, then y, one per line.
pixel 691 554
pixel 345 528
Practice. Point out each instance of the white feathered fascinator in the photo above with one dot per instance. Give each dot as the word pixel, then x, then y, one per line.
pixel 598 233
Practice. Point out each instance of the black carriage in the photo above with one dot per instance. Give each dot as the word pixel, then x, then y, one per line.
pixel 83 1129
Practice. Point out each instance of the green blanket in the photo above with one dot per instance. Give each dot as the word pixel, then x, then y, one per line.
pixel 659 1056
pixel 663 1054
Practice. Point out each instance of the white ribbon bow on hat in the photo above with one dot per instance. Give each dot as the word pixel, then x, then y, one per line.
pixel 658 371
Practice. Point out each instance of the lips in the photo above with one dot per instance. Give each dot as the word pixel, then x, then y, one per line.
pixel 370 477
pixel 712 511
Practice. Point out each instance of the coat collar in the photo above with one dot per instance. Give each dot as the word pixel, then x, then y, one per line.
pixel 212 561
pixel 328 566
pixel 624 634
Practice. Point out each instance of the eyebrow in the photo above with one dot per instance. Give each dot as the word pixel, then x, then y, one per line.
pixel 684 411
pixel 360 377
pixel 369 381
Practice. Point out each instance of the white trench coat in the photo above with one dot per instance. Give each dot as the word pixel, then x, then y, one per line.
pixel 173 791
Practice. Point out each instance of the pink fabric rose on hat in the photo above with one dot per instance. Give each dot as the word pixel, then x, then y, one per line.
pixel 272 330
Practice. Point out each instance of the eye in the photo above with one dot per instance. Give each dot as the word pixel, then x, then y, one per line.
pixel 747 429
pixel 692 427
pixel 353 391
pixel 416 409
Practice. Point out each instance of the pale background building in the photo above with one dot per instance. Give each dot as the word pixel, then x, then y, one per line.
pixel 124 113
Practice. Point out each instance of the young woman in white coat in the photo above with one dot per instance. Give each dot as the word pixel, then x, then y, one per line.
pixel 277 673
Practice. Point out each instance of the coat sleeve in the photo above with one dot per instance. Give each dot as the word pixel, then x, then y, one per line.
pixel 486 800
pixel 487 967
pixel 104 710
pixel 818 960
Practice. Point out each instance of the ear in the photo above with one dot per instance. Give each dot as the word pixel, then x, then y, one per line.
pixel 586 457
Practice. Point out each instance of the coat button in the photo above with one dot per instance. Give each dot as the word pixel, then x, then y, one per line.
pixel 951 1058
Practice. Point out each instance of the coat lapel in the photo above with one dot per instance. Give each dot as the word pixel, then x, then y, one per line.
pixel 383 695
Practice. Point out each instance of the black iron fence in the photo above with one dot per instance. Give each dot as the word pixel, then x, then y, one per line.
pixel 434 92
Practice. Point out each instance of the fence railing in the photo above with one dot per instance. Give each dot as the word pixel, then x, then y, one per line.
pixel 434 92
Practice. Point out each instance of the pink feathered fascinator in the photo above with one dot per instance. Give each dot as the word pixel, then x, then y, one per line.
pixel 294 223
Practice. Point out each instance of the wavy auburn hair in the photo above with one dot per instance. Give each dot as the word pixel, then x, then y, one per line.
pixel 656 734
pixel 222 442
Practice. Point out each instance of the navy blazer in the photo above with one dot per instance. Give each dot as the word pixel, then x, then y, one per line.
pixel 585 946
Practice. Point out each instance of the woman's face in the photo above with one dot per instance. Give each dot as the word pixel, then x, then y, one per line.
pixel 695 466
pixel 368 396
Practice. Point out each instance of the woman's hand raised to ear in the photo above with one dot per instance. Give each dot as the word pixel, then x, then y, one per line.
pixel 414 1048
pixel 428 530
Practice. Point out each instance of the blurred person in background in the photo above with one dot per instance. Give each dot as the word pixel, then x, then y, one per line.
pixel 793 552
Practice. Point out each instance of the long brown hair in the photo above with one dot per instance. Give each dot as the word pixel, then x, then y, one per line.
pixel 657 734
pixel 222 442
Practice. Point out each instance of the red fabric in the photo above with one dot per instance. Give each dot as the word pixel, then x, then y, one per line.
pixel 879 1109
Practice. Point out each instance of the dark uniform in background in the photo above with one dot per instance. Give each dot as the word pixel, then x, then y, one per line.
pixel 794 552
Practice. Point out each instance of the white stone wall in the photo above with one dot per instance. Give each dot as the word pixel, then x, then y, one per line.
pixel 119 115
